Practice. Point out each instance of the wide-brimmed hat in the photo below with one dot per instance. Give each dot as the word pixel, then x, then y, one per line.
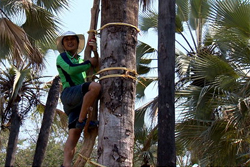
pixel 81 38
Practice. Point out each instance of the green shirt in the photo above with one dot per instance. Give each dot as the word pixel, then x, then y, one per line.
pixel 71 71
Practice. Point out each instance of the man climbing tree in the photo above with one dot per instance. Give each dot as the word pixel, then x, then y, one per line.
pixel 77 96
pixel 119 21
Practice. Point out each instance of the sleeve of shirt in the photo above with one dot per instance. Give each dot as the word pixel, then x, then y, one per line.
pixel 71 68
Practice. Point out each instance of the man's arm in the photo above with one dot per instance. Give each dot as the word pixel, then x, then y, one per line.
pixel 95 59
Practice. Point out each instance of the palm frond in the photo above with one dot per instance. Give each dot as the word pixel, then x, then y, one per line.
pixel 41 25
pixel 183 9
pixel 232 17
pixel 142 50
pixel 18 81
pixel 147 20
pixel 142 85
pixel 12 8
pixel 150 109
pixel 53 6
pixel 16 39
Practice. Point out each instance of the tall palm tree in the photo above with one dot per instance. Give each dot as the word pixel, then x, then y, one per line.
pixel 48 118
pixel 17 104
pixel 191 17
pixel 117 101
pixel 166 155
pixel 118 43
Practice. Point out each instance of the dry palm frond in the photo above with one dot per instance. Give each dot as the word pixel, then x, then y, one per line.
pixel 15 38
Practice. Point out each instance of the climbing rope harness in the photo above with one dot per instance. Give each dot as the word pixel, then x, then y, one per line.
pixel 110 24
pixel 127 74
pixel 89 161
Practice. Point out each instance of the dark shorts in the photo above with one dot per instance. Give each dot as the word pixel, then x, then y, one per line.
pixel 72 98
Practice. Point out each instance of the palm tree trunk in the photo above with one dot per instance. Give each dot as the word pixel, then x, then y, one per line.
pixel 166 72
pixel 13 137
pixel 48 118
pixel 118 45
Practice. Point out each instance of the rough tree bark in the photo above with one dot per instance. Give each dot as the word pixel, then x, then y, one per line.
pixel 89 135
pixel 118 49
pixel 13 137
pixel 166 71
pixel 48 118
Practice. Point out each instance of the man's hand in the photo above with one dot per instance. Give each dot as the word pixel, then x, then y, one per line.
pixel 93 45
pixel 94 60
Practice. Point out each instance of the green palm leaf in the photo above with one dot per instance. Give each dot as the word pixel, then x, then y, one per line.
pixel 18 81
pixel 41 25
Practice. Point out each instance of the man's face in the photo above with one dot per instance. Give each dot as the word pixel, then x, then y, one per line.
pixel 70 44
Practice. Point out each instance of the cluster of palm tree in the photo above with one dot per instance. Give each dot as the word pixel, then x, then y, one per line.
pixel 24 42
pixel 28 30
pixel 212 82
pixel 212 77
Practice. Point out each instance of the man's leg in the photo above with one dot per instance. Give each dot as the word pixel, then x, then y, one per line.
pixel 89 99
pixel 69 149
